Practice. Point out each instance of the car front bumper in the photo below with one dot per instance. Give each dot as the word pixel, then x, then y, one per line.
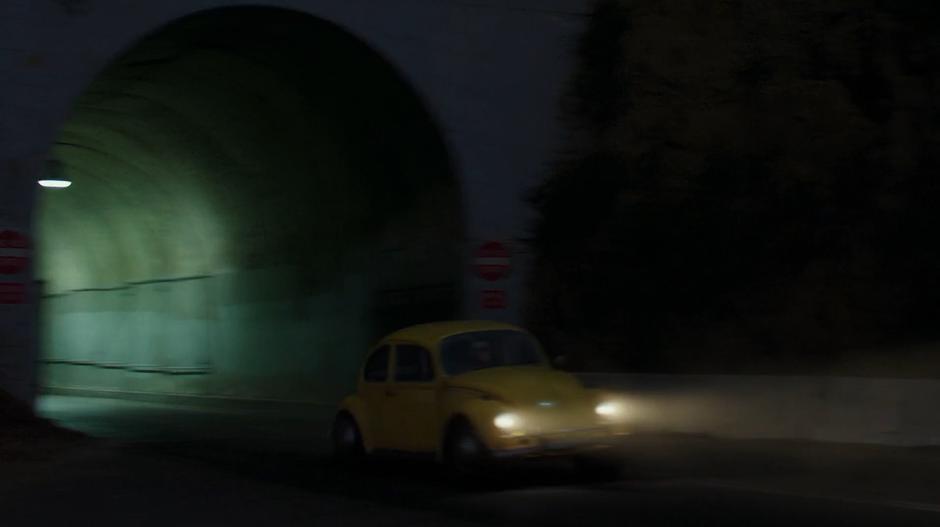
pixel 563 443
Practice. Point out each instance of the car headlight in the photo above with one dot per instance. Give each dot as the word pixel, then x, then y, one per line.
pixel 507 421
pixel 608 409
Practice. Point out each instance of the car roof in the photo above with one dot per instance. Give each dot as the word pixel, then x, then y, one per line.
pixel 432 332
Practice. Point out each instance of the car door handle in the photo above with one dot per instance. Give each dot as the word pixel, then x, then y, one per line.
pixel 391 393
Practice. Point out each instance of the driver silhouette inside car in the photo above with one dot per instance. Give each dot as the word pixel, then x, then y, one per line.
pixel 482 355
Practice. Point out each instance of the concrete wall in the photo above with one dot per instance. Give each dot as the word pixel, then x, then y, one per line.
pixel 839 409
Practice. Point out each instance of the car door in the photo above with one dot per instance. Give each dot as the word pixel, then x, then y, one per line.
pixel 372 389
pixel 412 399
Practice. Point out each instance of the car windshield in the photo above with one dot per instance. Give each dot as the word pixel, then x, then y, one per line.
pixel 488 349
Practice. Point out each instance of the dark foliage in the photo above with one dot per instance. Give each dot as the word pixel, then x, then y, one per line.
pixel 746 190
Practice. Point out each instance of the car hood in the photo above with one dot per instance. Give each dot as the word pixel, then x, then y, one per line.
pixel 523 384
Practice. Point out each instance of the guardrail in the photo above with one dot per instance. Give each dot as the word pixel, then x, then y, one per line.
pixel 900 412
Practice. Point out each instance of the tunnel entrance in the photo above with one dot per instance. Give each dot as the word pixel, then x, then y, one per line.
pixel 256 196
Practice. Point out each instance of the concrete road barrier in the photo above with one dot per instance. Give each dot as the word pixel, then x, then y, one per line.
pixel 900 412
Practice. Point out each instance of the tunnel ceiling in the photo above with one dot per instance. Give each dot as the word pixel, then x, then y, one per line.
pixel 238 139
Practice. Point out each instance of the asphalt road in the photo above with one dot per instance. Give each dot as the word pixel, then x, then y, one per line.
pixel 163 464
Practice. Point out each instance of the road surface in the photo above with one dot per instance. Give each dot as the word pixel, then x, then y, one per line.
pixel 171 465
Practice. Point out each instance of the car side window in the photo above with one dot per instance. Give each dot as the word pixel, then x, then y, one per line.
pixel 412 364
pixel 376 369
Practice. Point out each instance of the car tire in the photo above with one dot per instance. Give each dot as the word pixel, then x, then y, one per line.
pixel 464 452
pixel 598 468
pixel 347 439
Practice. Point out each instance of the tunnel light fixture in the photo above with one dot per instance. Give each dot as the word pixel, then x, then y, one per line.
pixel 54 176
pixel 55 183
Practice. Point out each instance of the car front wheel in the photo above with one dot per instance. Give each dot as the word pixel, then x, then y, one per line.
pixel 464 452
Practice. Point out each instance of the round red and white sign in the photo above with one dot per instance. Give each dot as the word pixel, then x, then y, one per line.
pixel 492 261
pixel 14 252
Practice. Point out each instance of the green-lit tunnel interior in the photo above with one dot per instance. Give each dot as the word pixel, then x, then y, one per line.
pixel 256 196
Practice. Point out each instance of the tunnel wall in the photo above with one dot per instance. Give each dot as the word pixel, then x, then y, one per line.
pixel 247 342
pixel 249 185
pixel 490 73
pixel 244 335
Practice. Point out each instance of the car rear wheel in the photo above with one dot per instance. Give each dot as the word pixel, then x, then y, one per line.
pixel 347 439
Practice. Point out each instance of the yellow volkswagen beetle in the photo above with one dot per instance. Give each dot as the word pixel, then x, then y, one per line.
pixel 471 391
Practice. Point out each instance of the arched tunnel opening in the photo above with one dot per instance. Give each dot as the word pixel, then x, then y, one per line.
pixel 257 195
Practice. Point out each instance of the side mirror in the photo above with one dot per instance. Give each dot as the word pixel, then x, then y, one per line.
pixel 560 361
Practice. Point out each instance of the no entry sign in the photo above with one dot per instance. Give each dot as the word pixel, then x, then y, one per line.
pixel 13 293
pixel 492 261
pixel 14 252
pixel 493 299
